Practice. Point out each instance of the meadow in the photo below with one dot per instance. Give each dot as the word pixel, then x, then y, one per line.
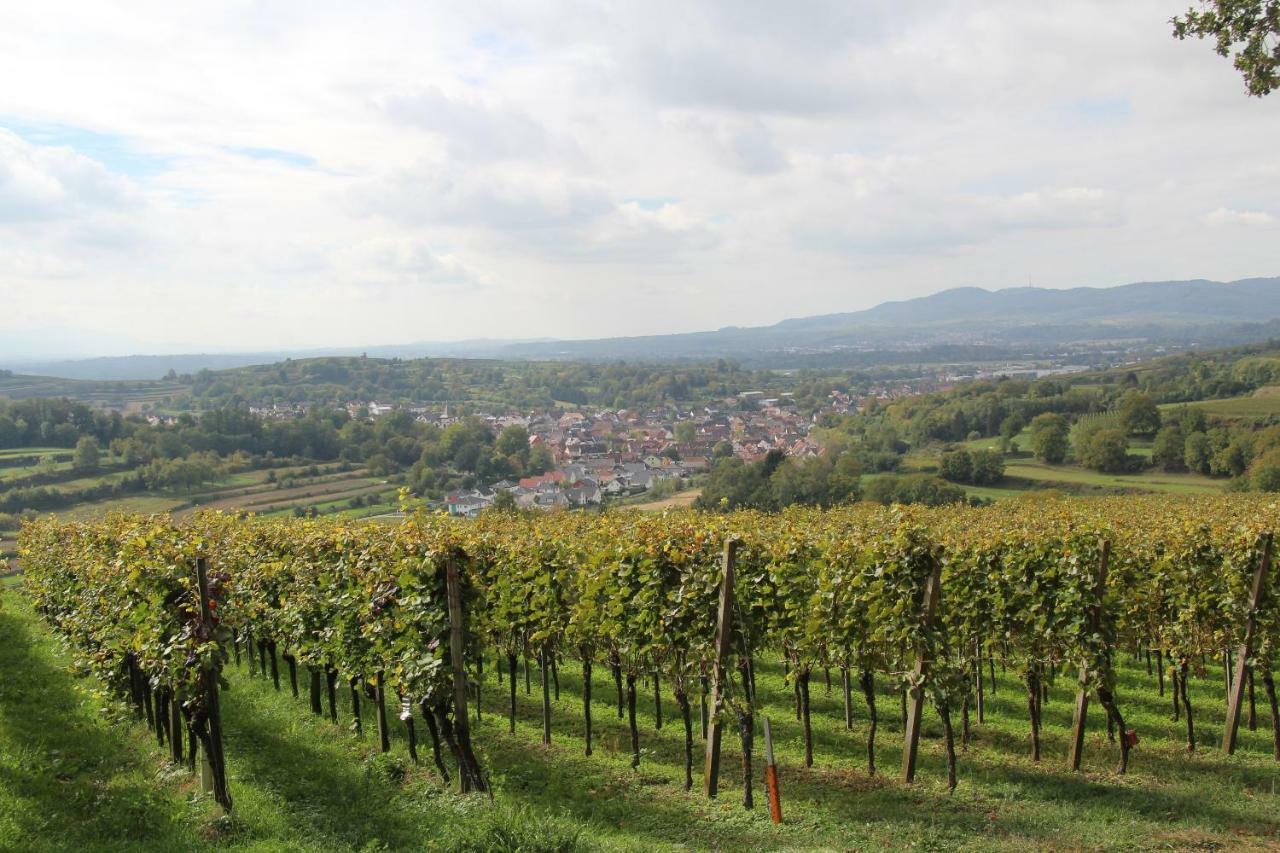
pixel 1261 405
pixel 1023 472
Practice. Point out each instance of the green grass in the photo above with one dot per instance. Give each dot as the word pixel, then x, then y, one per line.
pixel 1023 472
pixel 322 495
pixel 127 394
pixel 9 474
pixel 1257 406
pixel 243 478
pixel 244 489
pixel 1142 447
pixel 368 511
pixel 1049 476
pixel 339 506
pixel 144 504
pixel 33 451
pixel 68 780
pixel 343 502
pixel 72 780
pixel 87 482
pixel 1012 489
pixel 259 476
pixel 1021 442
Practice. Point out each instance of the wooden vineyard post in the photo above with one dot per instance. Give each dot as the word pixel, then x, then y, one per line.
pixel 380 707
pixel 545 671
pixel 915 705
pixel 206 773
pixel 771 775
pixel 724 628
pixel 977 677
pixel 214 764
pixel 469 775
pixel 848 698
pixel 1246 648
pixel 1093 619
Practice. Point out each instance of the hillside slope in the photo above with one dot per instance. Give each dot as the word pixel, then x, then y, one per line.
pixel 72 780
pixel 1207 312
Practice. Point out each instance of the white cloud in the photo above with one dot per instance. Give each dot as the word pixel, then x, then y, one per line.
pixel 505 198
pixel 248 175
pixel 48 183
pixel 1226 216
pixel 406 262
pixel 1053 207
pixel 470 129
pixel 744 144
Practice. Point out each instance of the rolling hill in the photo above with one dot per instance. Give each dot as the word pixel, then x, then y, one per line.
pixel 998 323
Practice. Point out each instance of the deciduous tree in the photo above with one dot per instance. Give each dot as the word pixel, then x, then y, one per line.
pixel 1248 31
pixel 1049 437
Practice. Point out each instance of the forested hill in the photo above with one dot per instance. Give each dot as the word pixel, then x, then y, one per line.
pixel 485 383
pixel 967 323
pixel 1206 312
pixel 1172 302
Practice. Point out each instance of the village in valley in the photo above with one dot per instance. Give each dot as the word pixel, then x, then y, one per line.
pixel 604 456
pixel 596 456
pixel 607 456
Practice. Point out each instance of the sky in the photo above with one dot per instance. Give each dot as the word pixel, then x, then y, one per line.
pixel 201 177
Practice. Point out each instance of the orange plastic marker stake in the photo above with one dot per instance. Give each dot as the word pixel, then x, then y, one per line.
pixel 771 775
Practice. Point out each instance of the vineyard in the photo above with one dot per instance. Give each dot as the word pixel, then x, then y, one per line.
pixel 681 608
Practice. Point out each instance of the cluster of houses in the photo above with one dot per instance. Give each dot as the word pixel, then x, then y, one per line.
pixel 611 454
pixel 571 486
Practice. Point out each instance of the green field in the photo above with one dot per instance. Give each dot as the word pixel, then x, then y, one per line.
pixel 144 504
pixel 79 483
pixel 32 451
pixel 1021 443
pixel 71 780
pixel 378 509
pixel 1265 403
pixel 1023 472
pixel 1041 475
pixel 1011 489
pixel 329 490
pixel 130 396
pixel 340 503
pixel 8 475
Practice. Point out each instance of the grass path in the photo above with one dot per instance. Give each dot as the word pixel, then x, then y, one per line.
pixel 70 779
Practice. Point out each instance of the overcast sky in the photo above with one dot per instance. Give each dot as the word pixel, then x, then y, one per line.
pixel 188 177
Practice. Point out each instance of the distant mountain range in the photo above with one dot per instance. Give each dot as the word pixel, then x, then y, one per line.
pixel 967 319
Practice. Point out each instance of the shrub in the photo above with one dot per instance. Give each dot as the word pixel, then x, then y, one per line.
pixel 1105 450
pixel 1264 473
pixel 988 467
pixel 1139 414
pixel 956 466
pixel 980 467
pixel 1169 450
pixel 1049 437
pixel 1198 453
pixel 913 489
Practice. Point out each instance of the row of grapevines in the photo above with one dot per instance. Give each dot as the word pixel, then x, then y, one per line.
pixel 365 603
